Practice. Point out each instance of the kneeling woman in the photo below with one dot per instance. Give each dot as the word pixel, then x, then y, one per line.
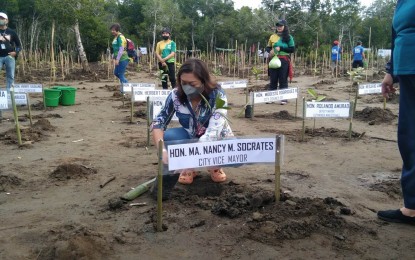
pixel 199 120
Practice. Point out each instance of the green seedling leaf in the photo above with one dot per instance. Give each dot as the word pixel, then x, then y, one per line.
pixel 312 92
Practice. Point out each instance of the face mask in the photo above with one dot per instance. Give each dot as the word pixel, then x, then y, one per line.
pixel 2 22
pixel 192 92
pixel 165 37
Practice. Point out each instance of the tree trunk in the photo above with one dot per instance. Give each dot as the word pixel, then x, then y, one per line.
pixel 81 50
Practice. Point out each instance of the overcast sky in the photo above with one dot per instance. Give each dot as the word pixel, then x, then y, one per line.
pixel 257 3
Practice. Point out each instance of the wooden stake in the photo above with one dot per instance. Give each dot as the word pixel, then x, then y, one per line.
pixel 278 148
pixel 160 187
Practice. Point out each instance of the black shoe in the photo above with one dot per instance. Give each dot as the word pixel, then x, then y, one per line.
pixel 169 181
pixel 395 216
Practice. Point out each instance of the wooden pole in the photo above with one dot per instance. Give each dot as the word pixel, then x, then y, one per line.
pixel 160 187
pixel 16 117
pixel 278 148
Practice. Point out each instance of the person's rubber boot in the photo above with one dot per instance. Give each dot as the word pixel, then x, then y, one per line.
pixel 169 181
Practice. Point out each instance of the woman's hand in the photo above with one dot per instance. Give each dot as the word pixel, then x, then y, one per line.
pixel 116 62
pixel 387 85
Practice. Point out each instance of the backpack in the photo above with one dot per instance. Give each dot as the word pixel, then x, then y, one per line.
pixel 130 45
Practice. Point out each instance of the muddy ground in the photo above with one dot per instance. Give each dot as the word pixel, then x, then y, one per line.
pixel 53 204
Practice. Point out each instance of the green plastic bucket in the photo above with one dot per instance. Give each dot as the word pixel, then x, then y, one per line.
pixel 52 97
pixel 68 95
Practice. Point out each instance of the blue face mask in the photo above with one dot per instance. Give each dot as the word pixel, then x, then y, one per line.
pixel 192 92
pixel 2 22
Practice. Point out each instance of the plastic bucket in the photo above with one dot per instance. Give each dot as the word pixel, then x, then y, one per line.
pixel 68 95
pixel 248 111
pixel 52 97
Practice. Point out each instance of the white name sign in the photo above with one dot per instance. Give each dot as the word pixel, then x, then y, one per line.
pixel 370 88
pixel 275 95
pixel 19 98
pixel 157 103
pixel 127 87
pixel 3 100
pixel 141 94
pixel 233 84
pixel 327 109
pixel 224 152
pixel 28 88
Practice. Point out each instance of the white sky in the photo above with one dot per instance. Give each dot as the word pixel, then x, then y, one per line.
pixel 257 3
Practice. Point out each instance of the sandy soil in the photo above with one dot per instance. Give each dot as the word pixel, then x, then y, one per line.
pixel 52 205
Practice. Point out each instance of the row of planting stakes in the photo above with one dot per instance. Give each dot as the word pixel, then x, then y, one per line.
pixel 19 95
pixel 227 152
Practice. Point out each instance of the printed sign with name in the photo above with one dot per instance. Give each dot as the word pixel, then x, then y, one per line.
pixel 141 94
pixel 274 95
pixel 3 99
pixel 157 103
pixel 233 84
pixel 328 109
pixel 127 87
pixel 28 88
pixel 224 152
pixel 19 98
pixel 372 88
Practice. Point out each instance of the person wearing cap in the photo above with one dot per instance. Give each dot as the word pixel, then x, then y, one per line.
pixel 336 57
pixel 10 47
pixel 165 53
pixel 120 55
pixel 358 55
pixel 282 47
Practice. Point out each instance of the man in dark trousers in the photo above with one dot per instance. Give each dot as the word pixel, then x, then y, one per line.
pixel 9 49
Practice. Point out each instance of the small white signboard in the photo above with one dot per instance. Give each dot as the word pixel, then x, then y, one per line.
pixel 233 84
pixel 143 50
pixel 141 94
pixel 224 152
pixel 28 88
pixel 157 103
pixel 372 88
pixel 19 98
pixel 3 99
pixel 127 87
pixel 275 95
pixel 328 109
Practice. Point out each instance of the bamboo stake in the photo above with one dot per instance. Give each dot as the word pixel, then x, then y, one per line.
pixel 160 187
pixel 278 143
pixel 16 117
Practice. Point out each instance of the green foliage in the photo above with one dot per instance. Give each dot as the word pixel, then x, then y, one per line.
pixel 256 71
pixel 315 96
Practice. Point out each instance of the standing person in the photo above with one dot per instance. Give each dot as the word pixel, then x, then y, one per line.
pixel 358 55
pixel 120 55
pixel 269 53
pixel 199 120
pixel 10 47
pixel 401 68
pixel 336 57
pixel 165 53
pixel 282 48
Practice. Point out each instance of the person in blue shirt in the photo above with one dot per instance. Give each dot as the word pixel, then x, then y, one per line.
pixel 358 55
pixel 199 120
pixel 401 68
pixel 336 57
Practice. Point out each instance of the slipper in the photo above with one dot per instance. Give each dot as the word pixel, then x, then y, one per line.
pixel 186 176
pixel 395 216
pixel 217 175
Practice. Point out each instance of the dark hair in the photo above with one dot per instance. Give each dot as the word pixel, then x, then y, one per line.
pixel 359 42
pixel 200 70
pixel 286 34
pixel 116 27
